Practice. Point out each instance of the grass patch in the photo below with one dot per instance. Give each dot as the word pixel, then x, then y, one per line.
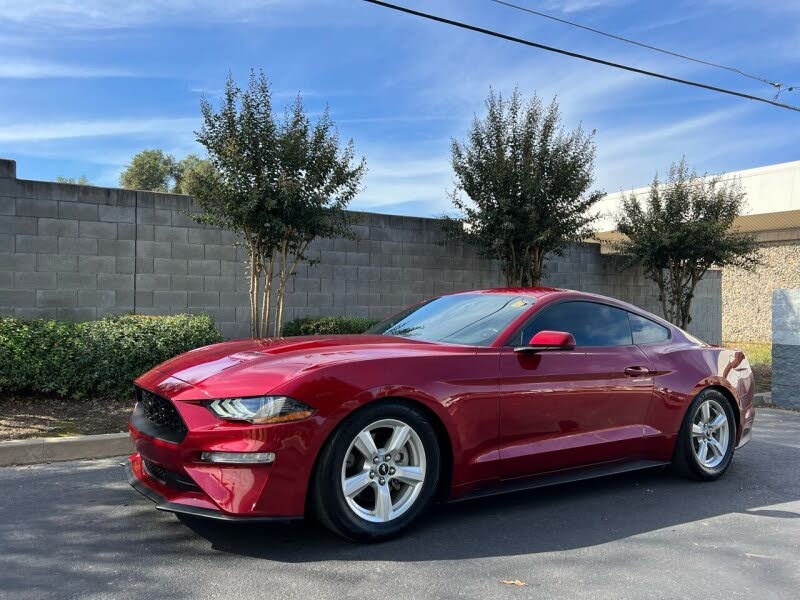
pixel 758 353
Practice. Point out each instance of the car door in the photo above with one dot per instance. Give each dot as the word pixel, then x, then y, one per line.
pixel 569 408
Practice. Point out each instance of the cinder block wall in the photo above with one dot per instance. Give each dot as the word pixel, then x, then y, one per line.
pixel 81 252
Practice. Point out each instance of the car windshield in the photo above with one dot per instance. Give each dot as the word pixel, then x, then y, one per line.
pixel 469 319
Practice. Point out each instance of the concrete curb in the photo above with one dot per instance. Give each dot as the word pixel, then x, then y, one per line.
pixel 763 399
pixel 45 450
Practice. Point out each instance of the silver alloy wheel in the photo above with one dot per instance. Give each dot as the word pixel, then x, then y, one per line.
pixel 383 471
pixel 710 433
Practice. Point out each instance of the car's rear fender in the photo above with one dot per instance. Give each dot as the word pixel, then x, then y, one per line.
pixel 682 373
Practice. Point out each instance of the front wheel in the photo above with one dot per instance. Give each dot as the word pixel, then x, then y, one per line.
pixel 707 437
pixel 377 473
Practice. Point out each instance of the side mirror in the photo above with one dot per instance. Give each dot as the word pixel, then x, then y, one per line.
pixel 547 341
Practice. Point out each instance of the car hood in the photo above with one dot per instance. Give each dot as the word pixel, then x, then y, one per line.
pixel 257 366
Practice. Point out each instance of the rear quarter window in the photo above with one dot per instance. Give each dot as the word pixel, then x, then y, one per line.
pixel 645 331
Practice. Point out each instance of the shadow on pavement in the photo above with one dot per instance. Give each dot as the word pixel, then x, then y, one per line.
pixel 560 518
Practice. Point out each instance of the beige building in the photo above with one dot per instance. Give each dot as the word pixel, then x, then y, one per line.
pixel 773 215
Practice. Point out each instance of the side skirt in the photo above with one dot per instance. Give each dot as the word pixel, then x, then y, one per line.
pixel 559 477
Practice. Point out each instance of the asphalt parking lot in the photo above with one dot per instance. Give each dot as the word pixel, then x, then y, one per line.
pixel 76 530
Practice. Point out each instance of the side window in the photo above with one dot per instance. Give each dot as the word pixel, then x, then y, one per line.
pixel 591 323
pixel 646 331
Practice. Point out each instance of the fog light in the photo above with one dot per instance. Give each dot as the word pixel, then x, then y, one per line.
pixel 238 458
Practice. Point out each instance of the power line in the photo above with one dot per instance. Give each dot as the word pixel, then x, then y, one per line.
pixel 778 86
pixel 600 61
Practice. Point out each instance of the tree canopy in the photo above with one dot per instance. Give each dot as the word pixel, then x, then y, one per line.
pixel 279 182
pixel 188 173
pixel 683 228
pixel 522 185
pixel 157 171
pixel 149 170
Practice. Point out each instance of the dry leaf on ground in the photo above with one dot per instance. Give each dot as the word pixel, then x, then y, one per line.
pixel 513 582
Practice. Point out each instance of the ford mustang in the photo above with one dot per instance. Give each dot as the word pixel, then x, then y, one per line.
pixel 459 396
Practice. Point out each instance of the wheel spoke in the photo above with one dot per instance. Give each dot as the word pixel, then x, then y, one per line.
pixel 399 438
pixel 716 447
pixel 355 484
pixel 383 502
pixel 718 422
pixel 703 453
pixel 697 430
pixel 366 445
pixel 409 475
pixel 705 409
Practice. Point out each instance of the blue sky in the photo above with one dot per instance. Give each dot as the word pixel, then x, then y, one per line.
pixel 84 84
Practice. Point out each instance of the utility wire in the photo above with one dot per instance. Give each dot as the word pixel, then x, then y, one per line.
pixel 778 86
pixel 600 61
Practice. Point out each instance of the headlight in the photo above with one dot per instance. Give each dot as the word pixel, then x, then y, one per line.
pixel 264 409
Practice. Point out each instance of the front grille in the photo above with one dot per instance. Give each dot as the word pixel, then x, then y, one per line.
pixel 170 478
pixel 157 417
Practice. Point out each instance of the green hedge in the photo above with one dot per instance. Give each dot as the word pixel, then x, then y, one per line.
pixel 327 325
pixel 94 358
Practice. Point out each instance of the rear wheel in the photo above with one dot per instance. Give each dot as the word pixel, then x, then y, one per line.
pixel 707 438
pixel 377 473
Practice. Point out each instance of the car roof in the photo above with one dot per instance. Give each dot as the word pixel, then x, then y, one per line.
pixel 536 292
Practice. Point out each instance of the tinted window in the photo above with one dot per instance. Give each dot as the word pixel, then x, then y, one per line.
pixel 470 319
pixel 646 331
pixel 592 324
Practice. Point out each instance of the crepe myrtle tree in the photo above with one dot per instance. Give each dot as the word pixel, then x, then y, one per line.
pixel 279 182
pixel 682 229
pixel 522 186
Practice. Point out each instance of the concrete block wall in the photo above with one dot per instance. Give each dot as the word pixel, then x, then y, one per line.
pixel 81 252
pixel 747 295
pixel 786 348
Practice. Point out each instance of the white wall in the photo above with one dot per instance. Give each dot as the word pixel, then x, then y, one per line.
pixel 773 188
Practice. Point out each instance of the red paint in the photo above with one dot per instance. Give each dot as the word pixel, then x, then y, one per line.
pixel 553 339
pixel 565 408
pixel 506 414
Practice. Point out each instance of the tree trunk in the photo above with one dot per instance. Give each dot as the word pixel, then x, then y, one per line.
pixel 285 275
pixel 511 279
pixel 255 274
pixel 278 316
pixel 686 304
pixel 267 295
pixel 537 266
pixel 658 277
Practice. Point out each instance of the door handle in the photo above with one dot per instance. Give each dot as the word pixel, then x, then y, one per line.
pixel 636 371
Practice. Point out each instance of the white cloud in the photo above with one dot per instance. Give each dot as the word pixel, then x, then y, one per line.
pixel 43 131
pixel 393 180
pixel 640 140
pixel 572 6
pixel 30 69
pixel 88 14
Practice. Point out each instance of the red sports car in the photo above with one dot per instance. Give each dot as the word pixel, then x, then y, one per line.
pixel 460 396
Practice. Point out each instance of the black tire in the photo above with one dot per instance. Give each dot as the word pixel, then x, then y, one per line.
pixel 327 499
pixel 685 461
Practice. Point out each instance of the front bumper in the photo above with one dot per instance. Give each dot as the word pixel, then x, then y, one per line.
pixel 747 426
pixel 137 482
pixel 170 470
